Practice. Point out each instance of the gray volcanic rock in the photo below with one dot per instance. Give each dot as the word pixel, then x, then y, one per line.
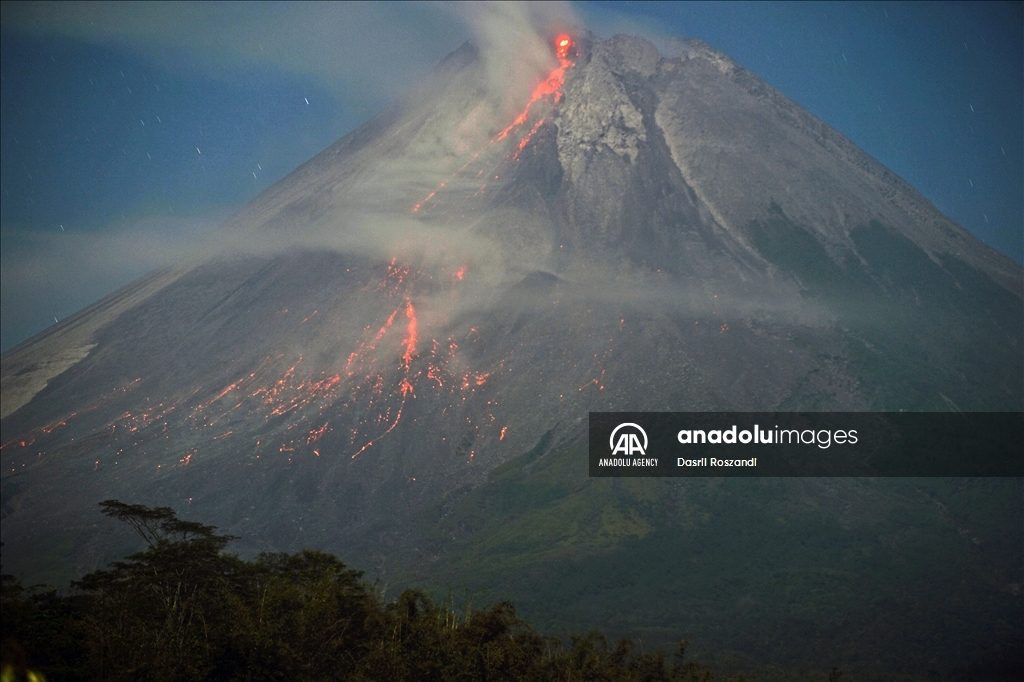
pixel 431 297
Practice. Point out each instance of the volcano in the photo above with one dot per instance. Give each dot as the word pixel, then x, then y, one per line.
pixel 394 357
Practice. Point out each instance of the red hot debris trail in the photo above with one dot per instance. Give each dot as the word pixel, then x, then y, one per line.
pixel 306 399
pixel 410 340
pixel 368 380
pixel 550 87
pixel 304 405
pixel 405 386
pixel 27 439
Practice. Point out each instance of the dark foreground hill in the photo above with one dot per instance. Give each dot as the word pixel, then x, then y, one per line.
pixel 394 353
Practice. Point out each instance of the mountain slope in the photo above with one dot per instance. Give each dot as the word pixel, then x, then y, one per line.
pixel 451 288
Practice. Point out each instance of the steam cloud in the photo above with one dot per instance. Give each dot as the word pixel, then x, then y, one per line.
pixel 76 268
pixel 370 53
pixel 368 213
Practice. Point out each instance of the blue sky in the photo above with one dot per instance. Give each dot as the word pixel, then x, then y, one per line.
pixel 129 130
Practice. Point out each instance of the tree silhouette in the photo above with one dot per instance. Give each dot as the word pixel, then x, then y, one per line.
pixel 184 609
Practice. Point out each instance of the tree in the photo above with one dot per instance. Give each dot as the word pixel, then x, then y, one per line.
pixel 153 610
pixel 183 609
pixel 295 616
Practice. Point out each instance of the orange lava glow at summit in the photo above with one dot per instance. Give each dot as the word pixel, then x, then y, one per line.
pixel 562 45
pixel 552 85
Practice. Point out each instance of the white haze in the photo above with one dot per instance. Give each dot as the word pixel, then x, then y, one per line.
pixel 52 274
pixel 379 50
pixel 370 213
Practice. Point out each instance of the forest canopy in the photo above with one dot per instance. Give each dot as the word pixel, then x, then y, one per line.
pixel 184 608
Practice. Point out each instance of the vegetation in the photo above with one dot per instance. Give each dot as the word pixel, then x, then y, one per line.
pixel 184 609
pixel 885 578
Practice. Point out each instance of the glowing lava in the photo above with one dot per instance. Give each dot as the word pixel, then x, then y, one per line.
pixel 391 366
pixel 547 87
pixel 563 44
pixel 552 85
pixel 410 340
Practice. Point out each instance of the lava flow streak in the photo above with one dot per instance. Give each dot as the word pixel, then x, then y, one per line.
pixel 394 363
pixel 405 386
pixel 410 340
pixel 547 87
pixel 27 439
pixel 552 85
